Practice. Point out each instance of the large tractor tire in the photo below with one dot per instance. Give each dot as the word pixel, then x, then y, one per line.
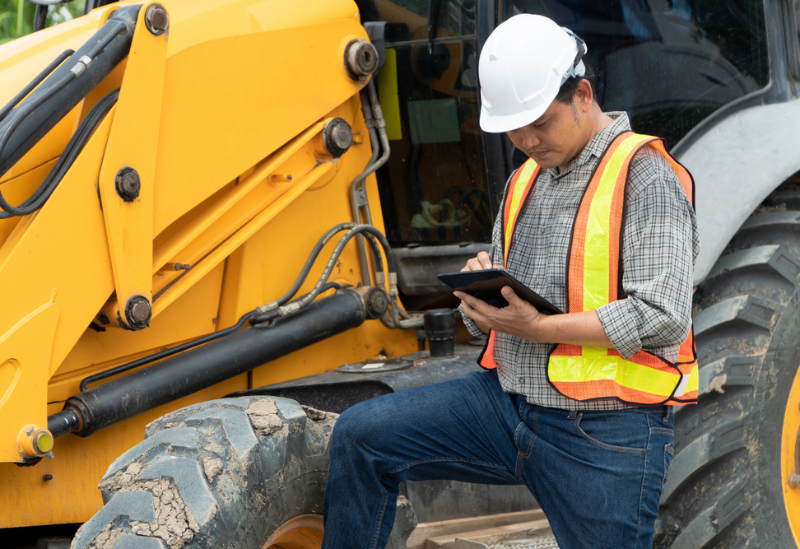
pixel 244 473
pixel 730 484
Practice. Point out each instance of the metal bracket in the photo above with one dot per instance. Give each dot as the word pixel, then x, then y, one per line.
pixel 132 149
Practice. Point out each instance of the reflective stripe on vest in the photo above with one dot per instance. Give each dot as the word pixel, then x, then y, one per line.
pixel 594 280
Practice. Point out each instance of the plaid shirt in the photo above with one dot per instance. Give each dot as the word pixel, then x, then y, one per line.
pixel 660 244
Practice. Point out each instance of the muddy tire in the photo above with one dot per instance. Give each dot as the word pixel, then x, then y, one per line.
pixel 725 487
pixel 225 473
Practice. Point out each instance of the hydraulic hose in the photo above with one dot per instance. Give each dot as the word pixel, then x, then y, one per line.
pixel 358 199
pixel 299 304
pixel 67 158
pixel 68 83
pixel 34 83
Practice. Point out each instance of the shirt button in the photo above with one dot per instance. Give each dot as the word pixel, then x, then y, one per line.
pixel 521 380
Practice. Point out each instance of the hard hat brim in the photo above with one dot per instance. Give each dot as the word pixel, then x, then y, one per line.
pixel 491 123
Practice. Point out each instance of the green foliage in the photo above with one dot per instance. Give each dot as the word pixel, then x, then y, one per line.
pixel 16 16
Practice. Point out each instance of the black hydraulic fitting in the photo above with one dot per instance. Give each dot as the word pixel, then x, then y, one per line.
pixel 440 328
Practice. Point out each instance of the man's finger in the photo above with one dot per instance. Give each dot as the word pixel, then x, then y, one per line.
pixel 472 313
pixel 513 299
pixel 476 304
pixel 510 295
pixel 485 260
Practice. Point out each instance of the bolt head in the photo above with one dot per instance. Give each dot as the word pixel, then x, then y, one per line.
pixel 794 480
pixel 156 19
pixel 342 136
pixel 29 431
pixel 140 311
pixel 128 184
pixel 361 58
pixel 137 312
pixel 338 137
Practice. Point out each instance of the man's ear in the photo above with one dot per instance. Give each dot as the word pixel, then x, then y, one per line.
pixel 584 96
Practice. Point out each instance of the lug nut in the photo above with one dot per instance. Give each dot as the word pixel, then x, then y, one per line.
pixel 156 19
pixel 137 312
pixel 338 137
pixel 128 184
pixel 361 59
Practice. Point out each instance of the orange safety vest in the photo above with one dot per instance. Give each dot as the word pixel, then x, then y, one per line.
pixel 594 279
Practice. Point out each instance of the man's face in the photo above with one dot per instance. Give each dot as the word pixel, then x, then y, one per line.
pixel 555 138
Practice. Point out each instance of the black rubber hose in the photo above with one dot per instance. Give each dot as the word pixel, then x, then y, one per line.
pixel 273 314
pixel 312 258
pixel 35 82
pixel 113 39
pixel 67 158
pixel 305 300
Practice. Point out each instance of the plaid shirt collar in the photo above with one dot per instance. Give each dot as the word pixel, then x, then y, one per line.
pixel 598 145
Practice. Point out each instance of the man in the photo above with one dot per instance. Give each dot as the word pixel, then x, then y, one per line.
pixel 575 406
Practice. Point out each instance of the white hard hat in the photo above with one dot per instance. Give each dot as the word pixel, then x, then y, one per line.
pixel 522 66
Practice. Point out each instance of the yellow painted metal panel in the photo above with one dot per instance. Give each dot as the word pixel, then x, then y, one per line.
pixel 133 144
pixel 206 136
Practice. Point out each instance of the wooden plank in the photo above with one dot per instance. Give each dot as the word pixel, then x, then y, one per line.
pixel 424 531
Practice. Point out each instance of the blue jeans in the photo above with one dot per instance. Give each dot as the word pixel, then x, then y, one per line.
pixel 597 475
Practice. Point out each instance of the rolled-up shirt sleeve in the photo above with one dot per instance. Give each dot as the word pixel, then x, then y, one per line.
pixel 660 244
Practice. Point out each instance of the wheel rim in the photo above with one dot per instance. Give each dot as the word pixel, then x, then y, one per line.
pixel 303 532
pixel 790 466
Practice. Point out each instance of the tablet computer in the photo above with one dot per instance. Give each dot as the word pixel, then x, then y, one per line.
pixel 487 284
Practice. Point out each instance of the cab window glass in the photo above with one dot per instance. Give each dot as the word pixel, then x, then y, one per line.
pixel 668 63
pixel 434 186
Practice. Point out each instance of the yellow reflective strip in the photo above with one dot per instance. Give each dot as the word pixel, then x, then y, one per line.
pixel 516 199
pixel 694 381
pixel 596 365
pixel 596 244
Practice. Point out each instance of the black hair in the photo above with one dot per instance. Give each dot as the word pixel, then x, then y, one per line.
pixel 570 86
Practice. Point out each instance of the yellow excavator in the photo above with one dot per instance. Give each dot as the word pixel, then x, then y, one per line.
pixel 221 223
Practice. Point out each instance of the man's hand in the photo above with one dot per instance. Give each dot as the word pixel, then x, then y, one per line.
pixel 518 318
pixel 521 319
pixel 483 261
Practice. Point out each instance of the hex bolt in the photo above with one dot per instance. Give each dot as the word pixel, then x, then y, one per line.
pixel 137 312
pixel 29 431
pixel 47 476
pixel 361 59
pixel 128 184
pixel 156 19
pixel 337 137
